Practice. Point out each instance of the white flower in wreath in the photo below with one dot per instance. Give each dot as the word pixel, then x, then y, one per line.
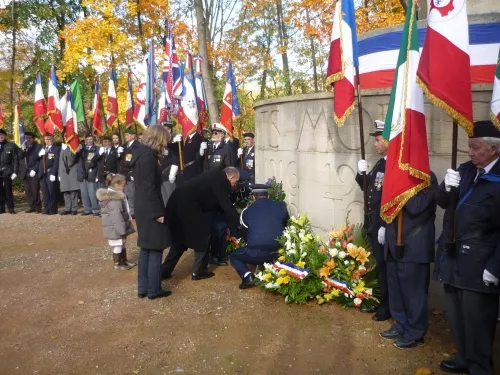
pixel 346 295
pixel 342 254
pixel 293 230
pixel 271 286
pixel 286 234
pixel 346 262
pixel 352 262
pixel 357 302
pixel 350 246
pixel 333 252
pixel 268 266
pixel 369 291
pixel 260 276
pixel 362 268
pixel 302 234
pixel 338 244
pixel 304 254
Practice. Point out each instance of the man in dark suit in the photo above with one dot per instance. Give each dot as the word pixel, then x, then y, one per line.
pixel 30 172
pixel 220 153
pixel 189 224
pixel 117 147
pixel 9 167
pixel 130 145
pixel 109 162
pixel 88 171
pixel 374 184
pixel 470 270
pixel 247 155
pixel 49 169
pixel 193 156
pixel 408 272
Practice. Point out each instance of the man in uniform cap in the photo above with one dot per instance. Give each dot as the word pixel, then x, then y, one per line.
pixel 248 154
pixel 110 160
pixel 49 169
pixel 30 172
pixel 220 153
pixel 263 222
pixel 9 167
pixel 130 145
pixel 470 270
pixel 373 221
pixel 88 170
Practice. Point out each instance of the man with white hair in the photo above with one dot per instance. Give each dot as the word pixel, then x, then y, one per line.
pixel 470 270
pixel 219 152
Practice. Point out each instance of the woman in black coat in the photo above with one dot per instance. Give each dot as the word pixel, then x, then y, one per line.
pixel 153 232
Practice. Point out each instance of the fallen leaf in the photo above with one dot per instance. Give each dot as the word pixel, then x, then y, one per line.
pixel 81 302
pixel 423 371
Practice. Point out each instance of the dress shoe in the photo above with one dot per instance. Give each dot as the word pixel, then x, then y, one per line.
pixel 217 262
pixel 166 276
pixel 164 293
pixel 381 317
pixel 97 214
pixel 391 334
pixel 84 213
pixel 74 213
pixel 368 310
pixel 45 213
pixel 141 295
pixel 403 343
pixel 451 367
pixel 12 211
pixel 29 211
pixel 202 275
pixel 65 213
pixel 248 281
pixel 38 211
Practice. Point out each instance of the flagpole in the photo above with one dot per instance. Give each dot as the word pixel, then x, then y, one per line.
pixel 362 141
pixel 241 144
pixel 450 244
pixel 181 162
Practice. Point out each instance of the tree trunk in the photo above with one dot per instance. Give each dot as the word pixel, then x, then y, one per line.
pixel 13 66
pixel 313 56
pixel 283 42
pixel 141 33
pixel 213 111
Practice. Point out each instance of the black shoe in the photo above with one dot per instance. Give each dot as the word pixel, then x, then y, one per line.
pixel 248 281
pixel 217 262
pixel 74 213
pixel 391 334
pixel 84 213
pixel 403 343
pixel 381 317
pixel 164 293
pixel 203 275
pixel 166 276
pixel 65 213
pixel 369 310
pixel 12 211
pixel 51 213
pixel 451 367
pixel 141 295
pixel 29 211
pixel 2 211
pixel 38 211
pixel 97 214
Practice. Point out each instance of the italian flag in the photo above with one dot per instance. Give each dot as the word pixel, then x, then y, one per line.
pixel 495 99
pixel 407 168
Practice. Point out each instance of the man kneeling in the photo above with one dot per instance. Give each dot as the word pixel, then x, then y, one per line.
pixel 263 222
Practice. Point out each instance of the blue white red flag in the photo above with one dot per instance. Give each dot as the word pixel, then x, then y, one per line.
pixel 200 93
pixel 71 132
pixel 177 89
pixel 112 100
pixel 54 116
pixel 343 60
pixel 150 112
pixel 39 107
pixel 230 103
pixel 98 123
pixel 188 111
pixel 129 109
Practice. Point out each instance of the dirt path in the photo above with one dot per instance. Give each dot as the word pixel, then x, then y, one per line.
pixel 64 310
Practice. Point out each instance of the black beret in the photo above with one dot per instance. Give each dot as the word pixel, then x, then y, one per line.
pixel 3 132
pixel 485 129
pixel 251 135
pixel 130 131
pixel 29 134
pixel 106 138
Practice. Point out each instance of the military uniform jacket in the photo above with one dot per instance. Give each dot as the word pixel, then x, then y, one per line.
pixel 169 158
pixel 419 214
pixel 68 166
pixel 51 161
pixel 127 166
pixel 191 158
pixel 9 159
pixel 374 182
pixel 109 163
pixel 234 145
pixel 219 158
pixel 477 230
pixel 31 161
pixel 88 168
pixel 249 162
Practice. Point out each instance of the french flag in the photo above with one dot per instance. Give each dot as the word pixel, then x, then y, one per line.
pixel 167 66
pixel 98 122
pixel 188 111
pixel 129 109
pixel 495 98
pixel 54 115
pixel 71 133
pixel 343 60
pixel 140 103
pixel 200 93
pixel 177 89
pixel 39 107
pixel 230 103
pixel 112 101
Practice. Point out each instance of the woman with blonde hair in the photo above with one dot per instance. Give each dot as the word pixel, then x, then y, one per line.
pixel 153 233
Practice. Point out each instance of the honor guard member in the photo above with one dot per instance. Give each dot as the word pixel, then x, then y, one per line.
pixel 68 178
pixel 193 151
pixel 219 154
pixel 130 145
pixel 9 167
pixel 88 170
pixel 263 222
pixel 49 169
pixel 30 171
pixel 408 268
pixel 110 161
pixel 117 147
pixel 234 145
pixel 248 155
pixel 470 270
pixel 374 183
pixel 169 163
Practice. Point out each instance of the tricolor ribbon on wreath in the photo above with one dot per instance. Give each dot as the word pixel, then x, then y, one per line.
pixel 340 285
pixel 292 269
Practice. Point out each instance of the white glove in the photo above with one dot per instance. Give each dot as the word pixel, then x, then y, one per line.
pixel 177 138
pixel 451 179
pixel 24 146
pixel 203 147
pixel 120 149
pixel 101 150
pixel 362 166
pixel 173 173
pixel 13 176
pixel 32 173
pixel 240 152
pixel 131 178
pixel 64 146
pixel 90 170
pixel 59 178
pixel 97 179
pixel 488 278
pixel 52 178
pixel 42 152
pixel 381 236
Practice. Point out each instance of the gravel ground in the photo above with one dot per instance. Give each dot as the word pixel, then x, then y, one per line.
pixel 64 310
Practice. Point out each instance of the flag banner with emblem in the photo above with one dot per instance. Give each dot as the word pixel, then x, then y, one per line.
pixel 407 169
pixel 167 75
pixel 71 132
pixel 342 60
pixel 162 104
pixel 230 104
pixel 112 100
pixel 77 101
pixel 188 111
pixel 39 106
pixel 177 90
pixel 54 116
pixel 98 123
pixel 444 69
pixel 63 103
pixel 129 109
pixel 18 126
pixel 150 113
pixel 1 117
pixel 140 99
pixel 495 98
pixel 200 93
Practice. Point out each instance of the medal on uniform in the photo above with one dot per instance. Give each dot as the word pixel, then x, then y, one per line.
pixel 128 157
pixel 90 156
pixel 50 156
pixel 379 181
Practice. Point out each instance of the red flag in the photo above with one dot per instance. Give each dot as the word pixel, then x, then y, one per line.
pixel 1 117
pixel 98 122
pixel 112 101
pixel 71 133
pixel 54 115
pixel 129 111
pixel 39 107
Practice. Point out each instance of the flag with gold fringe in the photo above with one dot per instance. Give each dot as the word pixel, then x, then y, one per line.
pixel 495 98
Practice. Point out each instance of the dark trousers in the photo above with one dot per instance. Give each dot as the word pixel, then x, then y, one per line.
pixel 218 227
pixel 200 263
pixel 244 255
pixel 6 195
pixel 149 272
pixel 32 191
pixel 408 297
pixel 49 191
pixel 378 250
pixel 473 321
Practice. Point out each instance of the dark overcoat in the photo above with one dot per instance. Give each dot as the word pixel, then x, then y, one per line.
pixel 152 235
pixel 9 159
pixel 30 161
pixel 477 230
pixel 50 162
pixel 127 163
pixel 88 166
pixel 191 158
pixel 188 204
pixel 109 163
